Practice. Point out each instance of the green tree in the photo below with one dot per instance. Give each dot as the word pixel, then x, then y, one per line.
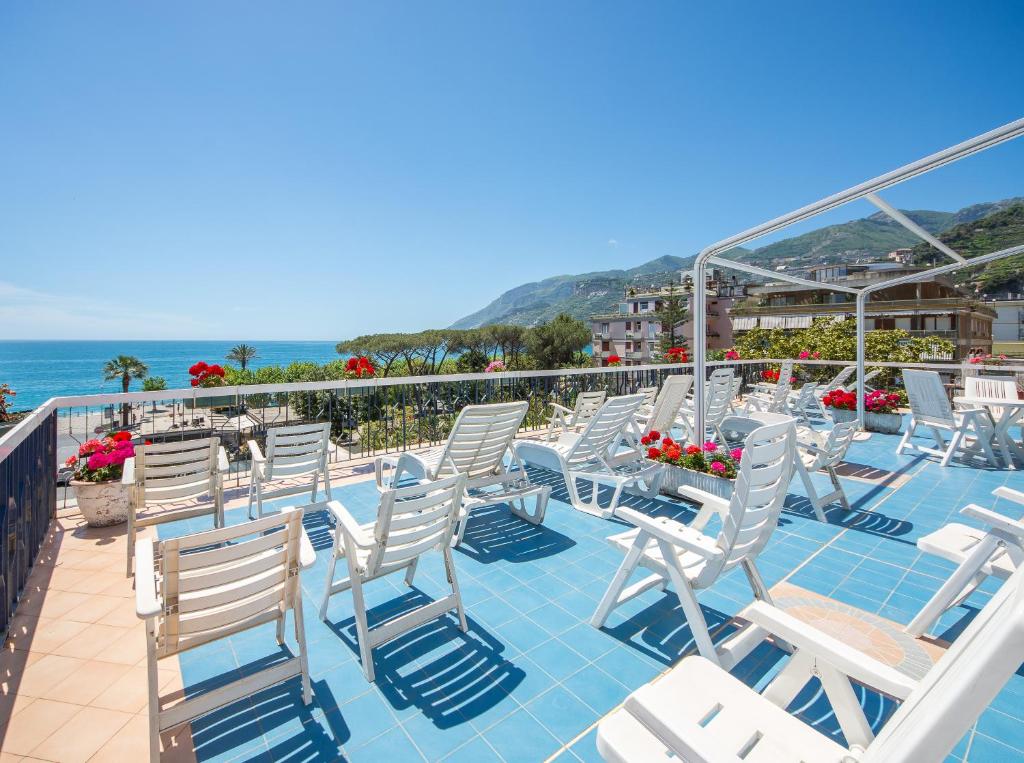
pixel 554 344
pixel 671 314
pixel 242 354
pixel 510 340
pixel 154 384
pixel 125 368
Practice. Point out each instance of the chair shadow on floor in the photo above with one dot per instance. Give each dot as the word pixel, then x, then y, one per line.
pixel 273 712
pixel 447 675
pixel 495 534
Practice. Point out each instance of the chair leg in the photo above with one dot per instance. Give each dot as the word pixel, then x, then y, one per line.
pixel 839 488
pixel 300 637
pixel 954 445
pixel 691 607
pixel 610 600
pixel 331 564
pixel 410 572
pixel 449 565
pixel 953 588
pixel 252 483
pixel 153 680
pixel 812 493
pixel 280 628
pixel 327 482
pixel 362 629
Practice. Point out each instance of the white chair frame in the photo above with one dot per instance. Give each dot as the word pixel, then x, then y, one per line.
pixel 996 549
pixel 773 398
pixel 825 455
pixel 592 456
pixel 690 560
pixel 930 408
pixel 573 419
pixel 292 451
pixel 410 522
pixel 171 472
pixel 211 585
pixel 661 416
pixel 477 446
pixel 718 403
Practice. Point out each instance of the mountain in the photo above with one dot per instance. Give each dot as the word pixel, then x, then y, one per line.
pixel 998 230
pixel 867 238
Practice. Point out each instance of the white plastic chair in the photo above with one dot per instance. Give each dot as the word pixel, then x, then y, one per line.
pixel 995 549
pixel 411 521
pixel 690 560
pixel 592 456
pixel 662 414
pixel 173 473
pixel 852 386
pixel 479 440
pixel 211 585
pixel 819 452
pixel 772 398
pixel 718 397
pixel 699 713
pixel 573 419
pixel 804 401
pixel 930 408
pixel 293 451
pixel 840 379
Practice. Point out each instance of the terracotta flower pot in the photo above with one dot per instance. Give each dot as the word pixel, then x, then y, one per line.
pixel 103 503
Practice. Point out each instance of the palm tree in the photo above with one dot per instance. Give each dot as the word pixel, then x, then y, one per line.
pixel 125 368
pixel 242 354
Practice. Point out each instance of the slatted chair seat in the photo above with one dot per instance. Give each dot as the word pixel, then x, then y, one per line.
pixel 205 587
pixel 477 447
pixel 594 456
pixel 411 521
pixel 173 481
pixel 293 452
pixel 686 558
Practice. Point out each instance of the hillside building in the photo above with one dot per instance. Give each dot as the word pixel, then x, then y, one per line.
pixel 1008 327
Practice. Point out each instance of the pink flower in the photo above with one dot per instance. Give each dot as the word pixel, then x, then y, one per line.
pixel 804 355
pixel 710 447
pixel 119 456
pixel 717 466
pixel 975 359
pixel 72 460
pixel 98 461
pixel 815 355
pixel 736 453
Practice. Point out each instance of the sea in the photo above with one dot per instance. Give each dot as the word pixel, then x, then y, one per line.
pixel 39 370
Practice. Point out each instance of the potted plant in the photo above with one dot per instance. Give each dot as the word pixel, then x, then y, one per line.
pixel 102 499
pixel 880 409
pixel 206 376
pixel 675 355
pixel 710 468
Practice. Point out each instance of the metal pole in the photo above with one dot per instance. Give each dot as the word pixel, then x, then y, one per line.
pixel 861 299
pixel 699 346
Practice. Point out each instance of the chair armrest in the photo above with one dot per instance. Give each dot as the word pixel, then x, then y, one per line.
pixel 710 505
pixel 1008 493
pixel 672 531
pixel 994 519
pixel 349 525
pixel 561 409
pixel 128 472
pixel 857 665
pixel 307 556
pixel 147 603
pixel 257 453
pixel 222 460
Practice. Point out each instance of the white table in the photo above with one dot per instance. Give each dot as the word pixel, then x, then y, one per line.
pixel 1005 413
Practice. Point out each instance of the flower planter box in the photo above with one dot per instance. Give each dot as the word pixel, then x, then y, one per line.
pixel 680 481
pixel 103 503
pixel 886 423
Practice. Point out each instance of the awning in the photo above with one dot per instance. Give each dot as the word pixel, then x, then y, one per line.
pixel 785 321
pixel 743 324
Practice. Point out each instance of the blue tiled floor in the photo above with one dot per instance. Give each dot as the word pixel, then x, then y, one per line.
pixel 532 677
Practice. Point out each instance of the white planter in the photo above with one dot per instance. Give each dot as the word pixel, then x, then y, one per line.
pixel 886 423
pixel 678 480
pixel 103 503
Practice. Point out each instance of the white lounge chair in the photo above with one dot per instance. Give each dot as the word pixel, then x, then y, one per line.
pixel 970 429
pixel 410 522
pixel 840 379
pixel 477 446
pixel 163 474
pixel 995 549
pixel 211 585
pixel 699 713
pixel 771 398
pixel 650 394
pixel 661 416
pixel 804 401
pixel 574 419
pixel 718 397
pixel 690 560
pixel 824 452
pixel 292 452
pixel 852 386
pixel 593 456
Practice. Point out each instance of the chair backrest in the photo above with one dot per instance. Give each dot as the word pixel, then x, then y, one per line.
pixel 780 394
pixel 840 379
pixel 296 450
pixel 951 696
pixel 993 387
pixel 174 471
pixel 669 401
pixel 587 404
pixel 835 445
pixel 650 394
pixel 737 386
pixel 604 430
pixel 481 436
pixel 718 395
pixel 927 397
pixel 222 581
pixel 412 520
pixel 766 467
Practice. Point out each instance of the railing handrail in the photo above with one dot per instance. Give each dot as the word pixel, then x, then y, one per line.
pixel 18 434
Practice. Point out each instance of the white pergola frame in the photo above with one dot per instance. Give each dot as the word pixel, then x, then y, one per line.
pixel 869 191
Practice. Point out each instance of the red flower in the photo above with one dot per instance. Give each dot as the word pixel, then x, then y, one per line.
pixel 692 449
pixel 673 452
pixel 197 369
pixel 653 453
pixel 654 434
pixel 195 382
pixel 149 442
pixel 72 460
pixel 351 364
pixel 122 436
pixel 215 371
pixel 668 441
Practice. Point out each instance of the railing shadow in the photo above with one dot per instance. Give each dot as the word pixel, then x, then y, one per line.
pixel 494 534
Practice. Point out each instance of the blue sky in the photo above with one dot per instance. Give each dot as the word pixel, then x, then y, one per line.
pixel 320 170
